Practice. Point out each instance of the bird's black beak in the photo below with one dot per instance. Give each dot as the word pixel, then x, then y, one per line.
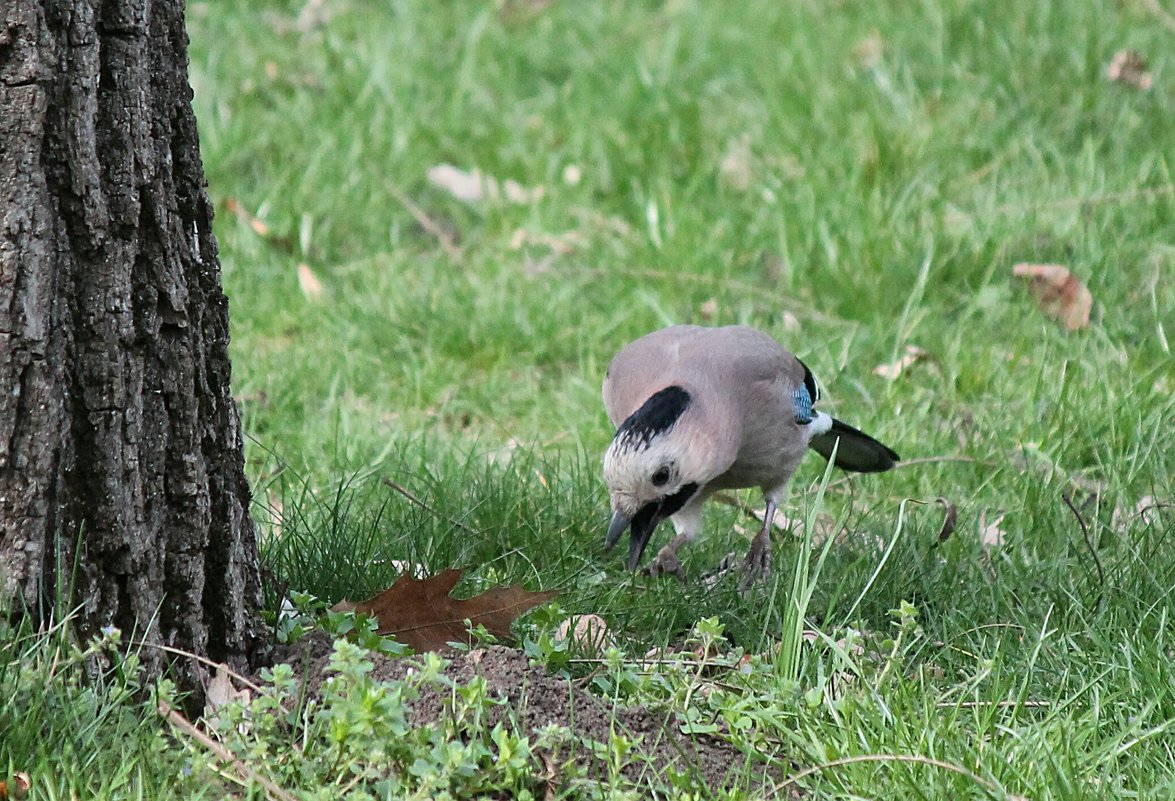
pixel 619 523
pixel 643 523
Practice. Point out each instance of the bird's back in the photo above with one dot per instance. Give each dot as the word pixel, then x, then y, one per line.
pixel 729 359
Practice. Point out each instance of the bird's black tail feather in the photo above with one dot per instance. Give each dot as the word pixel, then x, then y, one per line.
pixel 857 451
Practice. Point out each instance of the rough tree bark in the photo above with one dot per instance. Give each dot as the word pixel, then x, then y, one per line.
pixel 121 467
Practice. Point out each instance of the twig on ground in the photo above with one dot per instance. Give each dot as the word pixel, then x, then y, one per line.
pixel 427 223
pixel 1097 563
pixel 416 501
pixel 243 771
pixel 205 660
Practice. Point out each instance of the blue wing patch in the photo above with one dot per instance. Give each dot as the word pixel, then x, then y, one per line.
pixel 806 395
pixel 803 400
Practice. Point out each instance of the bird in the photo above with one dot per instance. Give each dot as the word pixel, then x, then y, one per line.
pixel 699 409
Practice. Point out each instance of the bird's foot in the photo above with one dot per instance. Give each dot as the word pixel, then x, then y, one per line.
pixel 756 565
pixel 665 563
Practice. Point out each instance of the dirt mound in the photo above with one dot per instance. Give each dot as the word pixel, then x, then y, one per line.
pixel 534 698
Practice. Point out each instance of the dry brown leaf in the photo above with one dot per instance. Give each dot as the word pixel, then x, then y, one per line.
pixel 467 186
pixel 308 281
pixel 517 193
pixel 504 454
pixel 912 354
pixel 735 170
pixel 17 787
pixel 1130 68
pixel 708 310
pixel 474 186
pixel 1147 511
pixel 1059 293
pixel 422 615
pixel 950 516
pixel 869 51
pixel 220 691
pixel 589 632
pixel 990 533
pixel 235 208
pixel 851 648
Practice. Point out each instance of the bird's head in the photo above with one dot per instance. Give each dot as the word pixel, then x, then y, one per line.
pixel 648 469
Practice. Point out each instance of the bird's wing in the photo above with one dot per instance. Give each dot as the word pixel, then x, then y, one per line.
pixel 780 391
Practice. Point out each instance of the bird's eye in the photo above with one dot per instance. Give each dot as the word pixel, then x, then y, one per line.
pixel 661 477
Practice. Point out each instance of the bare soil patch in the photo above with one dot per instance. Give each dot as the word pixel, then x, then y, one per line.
pixel 534 698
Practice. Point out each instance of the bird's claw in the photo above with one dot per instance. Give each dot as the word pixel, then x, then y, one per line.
pixel 666 563
pixel 756 565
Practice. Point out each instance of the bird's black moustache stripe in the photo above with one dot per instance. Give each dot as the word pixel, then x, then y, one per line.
pixel 645 521
pixel 657 415
pixel 668 506
pixel 672 505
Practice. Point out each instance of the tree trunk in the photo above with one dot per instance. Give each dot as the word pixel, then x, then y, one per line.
pixel 122 486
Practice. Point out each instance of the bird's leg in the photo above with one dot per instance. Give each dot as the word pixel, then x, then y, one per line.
pixel 758 561
pixel 688 524
pixel 666 562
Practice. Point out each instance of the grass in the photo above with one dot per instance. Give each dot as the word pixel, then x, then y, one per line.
pixel 887 163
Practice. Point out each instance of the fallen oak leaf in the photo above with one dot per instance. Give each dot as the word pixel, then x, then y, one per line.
pixel 421 614
pixel 1059 294
pixel 1130 68
pixel 912 355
